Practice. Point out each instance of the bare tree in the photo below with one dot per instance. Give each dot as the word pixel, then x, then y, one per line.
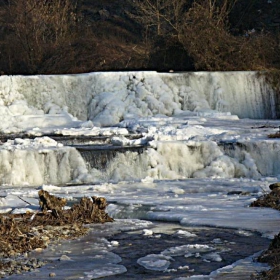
pixel 206 37
pixel 40 29
pixel 162 15
pixel 160 21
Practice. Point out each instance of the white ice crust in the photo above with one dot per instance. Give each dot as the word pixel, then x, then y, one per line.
pixel 108 98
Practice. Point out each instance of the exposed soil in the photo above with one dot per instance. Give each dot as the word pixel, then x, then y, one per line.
pixel 22 233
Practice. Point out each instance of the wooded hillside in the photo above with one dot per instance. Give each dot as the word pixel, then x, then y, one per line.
pixel 75 36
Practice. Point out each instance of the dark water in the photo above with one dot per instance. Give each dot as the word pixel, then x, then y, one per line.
pixel 90 251
pixel 99 156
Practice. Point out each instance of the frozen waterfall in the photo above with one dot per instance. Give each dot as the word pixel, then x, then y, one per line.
pixel 108 98
pixel 183 119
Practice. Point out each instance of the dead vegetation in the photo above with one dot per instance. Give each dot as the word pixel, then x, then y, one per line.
pixel 272 255
pixel 21 233
pixel 271 200
pixel 207 37
pixel 69 36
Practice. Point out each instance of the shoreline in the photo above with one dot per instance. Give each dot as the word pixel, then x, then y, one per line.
pixel 271 255
pixel 23 233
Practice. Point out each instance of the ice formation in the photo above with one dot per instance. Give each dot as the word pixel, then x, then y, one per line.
pixel 101 271
pixel 33 162
pixel 198 156
pixel 155 262
pixel 108 98
pixel 163 107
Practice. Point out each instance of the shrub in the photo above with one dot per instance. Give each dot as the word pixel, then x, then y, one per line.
pixel 206 37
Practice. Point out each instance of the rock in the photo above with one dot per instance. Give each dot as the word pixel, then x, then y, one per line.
pixel 234 193
pixel 52 274
pixel 274 186
pixel 245 193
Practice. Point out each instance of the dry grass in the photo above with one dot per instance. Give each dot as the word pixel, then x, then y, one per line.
pixel 25 232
